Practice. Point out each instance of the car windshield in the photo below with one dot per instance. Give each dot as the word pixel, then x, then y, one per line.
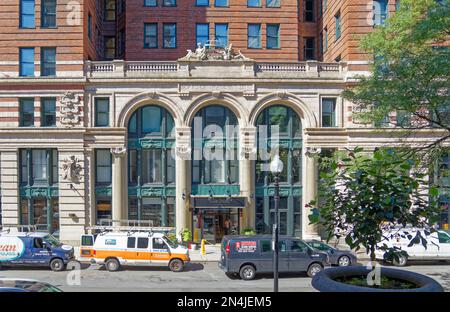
pixel 52 240
pixel 170 242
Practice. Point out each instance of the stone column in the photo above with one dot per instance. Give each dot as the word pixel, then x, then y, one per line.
pixel 183 189
pixel 118 183
pixel 9 173
pixel 310 187
pixel 246 179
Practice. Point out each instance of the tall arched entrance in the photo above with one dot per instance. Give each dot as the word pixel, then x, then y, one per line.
pixel 215 193
pixel 151 166
pixel 279 126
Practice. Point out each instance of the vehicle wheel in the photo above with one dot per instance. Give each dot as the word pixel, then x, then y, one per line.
pixel 401 261
pixel 112 265
pixel 247 272
pixel 176 265
pixel 314 269
pixel 57 265
pixel 344 261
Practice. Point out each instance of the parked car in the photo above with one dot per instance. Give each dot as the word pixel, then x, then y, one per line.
pixel 26 285
pixel 249 255
pixel 437 247
pixel 116 248
pixel 337 256
pixel 34 249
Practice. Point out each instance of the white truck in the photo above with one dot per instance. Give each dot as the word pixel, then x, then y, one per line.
pixel 437 247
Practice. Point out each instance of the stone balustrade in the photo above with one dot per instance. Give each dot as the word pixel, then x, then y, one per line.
pixel 211 69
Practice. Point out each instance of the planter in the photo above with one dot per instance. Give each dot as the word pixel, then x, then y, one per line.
pixel 325 280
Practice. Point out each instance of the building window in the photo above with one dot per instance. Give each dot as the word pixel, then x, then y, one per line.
pixel 309 49
pixel 26 60
pixel 254 36
pixel 328 112
pixel 273 36
pixel 48 18
pixel 337 20
pixel 150 3
pixel 121 44
pixel 338 58
pixel 283 122
pixel 202 2
pixel 39 167
pixel 48 112
pixel 169 3
pixel 102 112
pixel 321 43
pixel 110 10
pixel 170 36
pixel 27 15
pixel 221 35
pixel 103 166
pixel 110 48
pixel 397 5
pixel 221 3
pixel 325 5
pixel 151 36
pixel 325 37
pixel 104 209
pixel 26 107
pixel 404 119
pixel 254 3
pixel 309 11
pixel 273 3
pixel 151 166
pixel 48 61
pixel 202 34
pixel 218 162
pixel 380 10
pixel 90 26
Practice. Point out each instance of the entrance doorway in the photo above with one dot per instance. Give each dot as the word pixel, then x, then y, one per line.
pixel 212 224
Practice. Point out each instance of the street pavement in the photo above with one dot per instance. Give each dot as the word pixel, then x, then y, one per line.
pixel 198 276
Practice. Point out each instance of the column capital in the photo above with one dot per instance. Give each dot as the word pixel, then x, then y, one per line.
pixel 118 151
pixel 312 151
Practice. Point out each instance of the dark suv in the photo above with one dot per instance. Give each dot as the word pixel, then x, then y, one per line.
pixel 248 255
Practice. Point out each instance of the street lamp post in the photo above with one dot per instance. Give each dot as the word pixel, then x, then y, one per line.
pixel 276 166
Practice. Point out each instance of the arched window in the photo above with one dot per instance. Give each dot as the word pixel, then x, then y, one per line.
pixel 279 127
pixel 151 166
pixel 215 147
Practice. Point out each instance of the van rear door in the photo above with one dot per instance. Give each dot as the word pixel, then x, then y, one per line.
pixel 87 246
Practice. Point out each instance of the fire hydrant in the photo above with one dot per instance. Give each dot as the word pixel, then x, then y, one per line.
pixel 202 247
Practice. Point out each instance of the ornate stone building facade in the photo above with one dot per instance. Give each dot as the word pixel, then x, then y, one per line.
pixel 129 140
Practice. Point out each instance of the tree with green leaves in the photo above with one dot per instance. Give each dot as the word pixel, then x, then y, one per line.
pixel 364 196
pixel 410 71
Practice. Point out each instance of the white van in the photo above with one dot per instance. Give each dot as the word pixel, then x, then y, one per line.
pixel 438 246
pixel 117 248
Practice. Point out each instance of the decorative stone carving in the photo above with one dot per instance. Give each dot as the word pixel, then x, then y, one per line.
pixel 72 169
pixel 152 95
pixel 282 95
pixel 183 148
pixel 70 109
pixel 312 151
pixel 211 52
pixel 118 151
